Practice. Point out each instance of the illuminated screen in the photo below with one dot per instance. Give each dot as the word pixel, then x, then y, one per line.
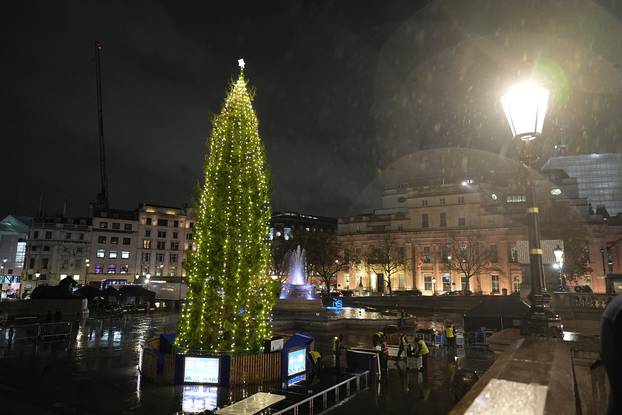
pixel 296 361
pixel 198 398
pixel 201 369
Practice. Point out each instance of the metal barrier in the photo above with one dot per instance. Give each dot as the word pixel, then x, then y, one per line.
pixel 39 332
pixel 310 401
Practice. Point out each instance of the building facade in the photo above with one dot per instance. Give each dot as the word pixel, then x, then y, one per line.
pixel 426 223
pixel 164 236
pixel 57 247
pixel 599 178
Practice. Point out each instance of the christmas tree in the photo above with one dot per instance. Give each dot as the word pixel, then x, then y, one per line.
pixel 229 298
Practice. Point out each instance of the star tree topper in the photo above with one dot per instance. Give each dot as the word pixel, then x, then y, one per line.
pixel 241 63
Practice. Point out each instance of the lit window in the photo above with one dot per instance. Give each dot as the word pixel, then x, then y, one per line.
pixel 112 254
pixel 494 280
pixel 101 253
pixel 103 225
pixel 125 254
pixel 99 268
pixel 427 282
pixel 123 269
pixel 20 254
pixel 112 268
pixel 146 243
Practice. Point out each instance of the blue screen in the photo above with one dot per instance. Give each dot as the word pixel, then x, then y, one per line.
pixel 296 361
pixel 201 369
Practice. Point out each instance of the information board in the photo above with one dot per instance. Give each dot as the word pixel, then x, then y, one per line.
pixel 201 370
pixel 296 361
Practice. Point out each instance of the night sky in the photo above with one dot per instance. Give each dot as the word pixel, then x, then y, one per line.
pixel 345 89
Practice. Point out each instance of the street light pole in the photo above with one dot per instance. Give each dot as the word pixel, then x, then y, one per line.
pixel 559 258
pixel 525 107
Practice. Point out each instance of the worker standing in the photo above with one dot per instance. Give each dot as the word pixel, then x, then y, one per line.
pixel 449 333
pixel 337 348
pixel 424 352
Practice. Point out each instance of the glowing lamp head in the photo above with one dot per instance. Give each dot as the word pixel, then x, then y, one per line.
pixel 525 107
pixel 559 254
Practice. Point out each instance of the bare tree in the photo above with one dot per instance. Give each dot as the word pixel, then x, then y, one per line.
pixel 469 256
pixel 279 264
pixel 325 257
pixel 387 257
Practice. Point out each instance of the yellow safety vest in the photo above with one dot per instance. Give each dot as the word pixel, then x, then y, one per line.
pixel 315 356
pixel 449 332
pixel 423 348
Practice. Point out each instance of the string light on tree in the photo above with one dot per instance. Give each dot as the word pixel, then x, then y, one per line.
pixel 229 298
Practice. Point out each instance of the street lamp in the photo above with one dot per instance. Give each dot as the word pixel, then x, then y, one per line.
pixel 525 107
pixel 433 286
pixel 559 259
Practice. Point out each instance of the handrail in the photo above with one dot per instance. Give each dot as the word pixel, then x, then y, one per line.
pixel 324 393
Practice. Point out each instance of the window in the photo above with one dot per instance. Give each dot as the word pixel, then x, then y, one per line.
pixel 446 283
pixel 175 235
pixel 461 222
pixel 35 235
pixel 44 262
pixel 116 226
pixel 147 233
pixel 161 245
pixel 103 225
pixel 148 221
pixel 123 268
pixel 189 236
pixel 46 248
pixel 172 259
pixel 32 263
pixel 159 257
pixel 48 235
pixel 112 269
pixel 99 268
pixel 441 201
pixel 514 254
pixel 443 219
pixel 161 234
pixel 79 250
pixel 82 237
pixel 126 241
pixel 101 253
pixel 427 282
pixel 114 240
pixel 445 254
pixel 127 227
pixel 20 254
pixel 492 253
pixel 424 220
pixel 146 243
pixel 516 283
pixel 162 222
pixel 174 246
pixel 176 223
pixel 494 283
pixel 146 256
pixel 112 254
pixel 68 235
pixel 424 203
pixel 426 255
pixel 463 281
pixel 461 200
pixel 101 239
pixel 515 198
pixel 191 225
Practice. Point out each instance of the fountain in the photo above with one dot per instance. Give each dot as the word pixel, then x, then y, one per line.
pixel 296 293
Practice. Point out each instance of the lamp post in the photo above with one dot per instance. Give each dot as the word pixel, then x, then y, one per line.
pixel 525 107
pixel 559 259
pixel 433 286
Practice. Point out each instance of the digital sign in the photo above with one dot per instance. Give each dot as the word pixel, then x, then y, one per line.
pixel 296 361
pixel 201 370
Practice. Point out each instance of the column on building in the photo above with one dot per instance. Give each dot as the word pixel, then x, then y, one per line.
pixel 410 271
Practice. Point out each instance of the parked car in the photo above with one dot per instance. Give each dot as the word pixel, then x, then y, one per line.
pixel 414 292
pixel 452 293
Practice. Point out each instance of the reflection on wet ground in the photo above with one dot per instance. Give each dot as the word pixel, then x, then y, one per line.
pixel 98 376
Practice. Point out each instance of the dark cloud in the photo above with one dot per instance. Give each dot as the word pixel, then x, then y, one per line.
pixel 343 90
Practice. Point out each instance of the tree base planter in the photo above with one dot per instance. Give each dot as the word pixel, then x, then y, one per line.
pixel 159 363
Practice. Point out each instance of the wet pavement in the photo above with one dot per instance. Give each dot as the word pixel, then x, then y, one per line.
pixel 99 376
